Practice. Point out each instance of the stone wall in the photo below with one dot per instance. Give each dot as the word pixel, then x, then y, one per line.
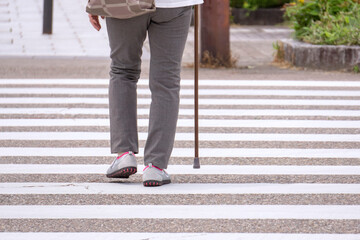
pixel 326 57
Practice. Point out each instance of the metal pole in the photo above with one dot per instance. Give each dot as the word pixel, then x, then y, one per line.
pixel 196 87
pixel 48 17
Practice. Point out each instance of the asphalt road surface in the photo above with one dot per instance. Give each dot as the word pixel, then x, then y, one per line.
pixel 279 150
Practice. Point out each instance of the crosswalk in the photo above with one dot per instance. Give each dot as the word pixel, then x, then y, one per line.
pixel 280 160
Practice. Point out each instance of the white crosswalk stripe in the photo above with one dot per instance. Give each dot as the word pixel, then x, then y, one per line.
pixel 188 152
pixel 185 82
pixel 180 211
pixel 194 188
pixel 225 123
pixel 187 112
pixel 184 169
pixel 323 202
pixel 186 92
pixel 186 136
pixel 203 101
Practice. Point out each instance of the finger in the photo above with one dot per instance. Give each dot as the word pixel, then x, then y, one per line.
pixel 94 20
pixel 103 17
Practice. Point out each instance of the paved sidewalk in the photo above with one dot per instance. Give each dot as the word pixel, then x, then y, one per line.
pixel 73 36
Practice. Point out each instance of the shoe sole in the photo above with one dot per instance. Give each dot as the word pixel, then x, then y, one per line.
pixel 123 173
pixel 152 183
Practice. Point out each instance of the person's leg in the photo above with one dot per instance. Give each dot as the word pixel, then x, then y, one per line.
pixel 168 31
pixel 126 37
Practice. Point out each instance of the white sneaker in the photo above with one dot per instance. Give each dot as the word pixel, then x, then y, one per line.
pixel 154 176
pixel 123 166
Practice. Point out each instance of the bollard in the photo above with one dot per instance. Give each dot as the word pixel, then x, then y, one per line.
pixel 48 17
pixel 215 29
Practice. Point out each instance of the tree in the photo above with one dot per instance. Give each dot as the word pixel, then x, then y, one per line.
pixel 215 33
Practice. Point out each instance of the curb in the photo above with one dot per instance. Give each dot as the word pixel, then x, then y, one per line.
pixel 324 57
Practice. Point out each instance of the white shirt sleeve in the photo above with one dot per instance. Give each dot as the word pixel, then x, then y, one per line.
pixel 176 3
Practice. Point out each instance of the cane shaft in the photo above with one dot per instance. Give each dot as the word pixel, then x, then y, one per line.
pixel 196 86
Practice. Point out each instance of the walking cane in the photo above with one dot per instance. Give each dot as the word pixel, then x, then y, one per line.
pixel 196 86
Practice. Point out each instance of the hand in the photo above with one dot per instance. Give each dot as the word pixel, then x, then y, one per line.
pixel 94 20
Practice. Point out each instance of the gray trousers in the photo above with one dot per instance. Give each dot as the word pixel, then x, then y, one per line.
pixel 167 29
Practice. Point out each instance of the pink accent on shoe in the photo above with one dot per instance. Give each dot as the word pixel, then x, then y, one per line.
pixel 157 168
pixel 122 155
pixel 153 167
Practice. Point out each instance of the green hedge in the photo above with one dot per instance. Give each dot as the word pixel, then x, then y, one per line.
pixel 257 3
pixel 326 22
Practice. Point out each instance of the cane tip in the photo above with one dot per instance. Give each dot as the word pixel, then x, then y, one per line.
pixel 196 163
